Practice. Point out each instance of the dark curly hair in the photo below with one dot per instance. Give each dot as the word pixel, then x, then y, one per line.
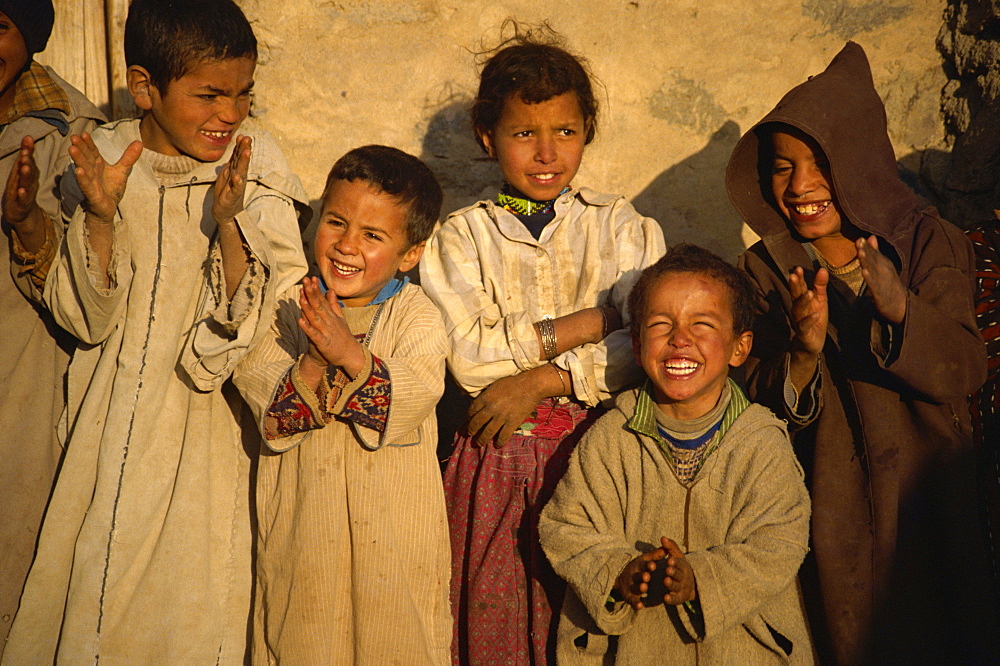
pixel 687 258
pixel 399 175
pixel 166 36
pixel 532 65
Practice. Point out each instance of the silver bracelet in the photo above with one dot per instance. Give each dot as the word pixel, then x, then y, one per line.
pixel 562 381
pixel 547 331
pixel 604 318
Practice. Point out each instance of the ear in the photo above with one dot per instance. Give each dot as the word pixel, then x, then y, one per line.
pixel 140 86
pixel 637 349
pixel 486 136
pixel 744 342
pixel 412 256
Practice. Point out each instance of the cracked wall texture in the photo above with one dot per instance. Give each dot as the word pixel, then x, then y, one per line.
pixel 970 43
pixel 682 79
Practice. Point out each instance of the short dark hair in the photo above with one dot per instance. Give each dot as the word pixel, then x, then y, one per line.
pixel 400 175
pixel 534 66
pixel 687 258
pixel 166 36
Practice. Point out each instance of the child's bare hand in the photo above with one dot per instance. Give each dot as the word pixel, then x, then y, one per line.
pixel 887 292
pixel 102 184
pixel 501 409
pixel 323 321
pixel 810 309
pixel 679 579
pixel 231 184
pixel 22 185
pixel 638 576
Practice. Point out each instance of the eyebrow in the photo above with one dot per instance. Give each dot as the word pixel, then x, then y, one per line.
pixel 219 91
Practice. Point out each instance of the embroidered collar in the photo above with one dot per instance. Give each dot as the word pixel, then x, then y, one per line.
pixel 390 289
pixel 643 420
pixel 518 204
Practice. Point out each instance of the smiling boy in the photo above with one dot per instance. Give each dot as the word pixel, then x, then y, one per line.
pixel 867 345
pixel 353 557
pixel 180 235
pixel 683 518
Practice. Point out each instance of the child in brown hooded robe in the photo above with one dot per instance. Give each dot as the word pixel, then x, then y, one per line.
pixel 866 343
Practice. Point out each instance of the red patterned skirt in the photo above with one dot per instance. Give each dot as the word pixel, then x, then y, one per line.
pixel 504 595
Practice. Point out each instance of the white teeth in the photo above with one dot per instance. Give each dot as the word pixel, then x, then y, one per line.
pixel 810 208
pixel 343 269
pixel 681 366
pixel 543 176
pixel 215 135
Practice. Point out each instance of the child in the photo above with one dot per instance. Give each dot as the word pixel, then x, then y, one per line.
pixel 867 345
pixel 685 494
pixel 38 111
pixel 984 405
pixel 178 244
pixel 352 550
pixel 531 286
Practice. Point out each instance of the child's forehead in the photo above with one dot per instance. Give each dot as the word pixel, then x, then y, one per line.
pixel 785 139
pixel 704 287
pixel 345 197
pixel 233 72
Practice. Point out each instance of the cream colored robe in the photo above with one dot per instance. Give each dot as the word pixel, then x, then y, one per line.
pixel 746 522
pixel 353 556
pixel 144 555
pixel 33 360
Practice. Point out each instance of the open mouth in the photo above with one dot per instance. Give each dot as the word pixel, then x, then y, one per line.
pixel 680 367
pixel 344 270
pixel 217 136
pixel 808 210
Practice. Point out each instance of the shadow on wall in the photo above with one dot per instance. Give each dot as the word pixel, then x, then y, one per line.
pixel 689 199
pixel 449 148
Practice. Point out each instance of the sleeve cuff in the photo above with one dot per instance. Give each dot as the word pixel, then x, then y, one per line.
pixel 35 266
pixel 804 407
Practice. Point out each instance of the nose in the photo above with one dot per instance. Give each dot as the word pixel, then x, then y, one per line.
pixel 803 180
pixel 545 149
pixel 347 243
pixel 680 337
pixel 229 110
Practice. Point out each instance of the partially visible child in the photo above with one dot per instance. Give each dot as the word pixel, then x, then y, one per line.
pixel 531 285
pixel 181 236
pixel 38 113
pixel 867 345
pixel 683 518
pixel 352 551
pixel 985 403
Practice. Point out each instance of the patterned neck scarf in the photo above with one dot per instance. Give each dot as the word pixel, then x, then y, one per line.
pixel 514 202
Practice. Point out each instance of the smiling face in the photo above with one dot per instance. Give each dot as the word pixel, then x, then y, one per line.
pixel 686 343
pixel 13 57
pixel 800 183
pixel 361 241
pixel 538 146
pixel 200 112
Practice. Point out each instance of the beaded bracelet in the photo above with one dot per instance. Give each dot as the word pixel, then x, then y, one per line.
pixel 547 331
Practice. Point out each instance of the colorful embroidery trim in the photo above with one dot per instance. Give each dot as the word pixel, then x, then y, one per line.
pixel 524 206
pixel 369 405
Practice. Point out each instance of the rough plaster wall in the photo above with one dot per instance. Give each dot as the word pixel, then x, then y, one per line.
pixel 970 43
pixel 682 80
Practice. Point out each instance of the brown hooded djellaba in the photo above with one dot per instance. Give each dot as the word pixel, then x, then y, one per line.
pixel 898 561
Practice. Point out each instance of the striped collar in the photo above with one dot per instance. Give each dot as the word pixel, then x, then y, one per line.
pixel 643 420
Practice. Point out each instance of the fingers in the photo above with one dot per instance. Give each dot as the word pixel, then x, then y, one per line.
pixel 797 283
pixel 820 282
pixel 129 157
pixel 671 547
